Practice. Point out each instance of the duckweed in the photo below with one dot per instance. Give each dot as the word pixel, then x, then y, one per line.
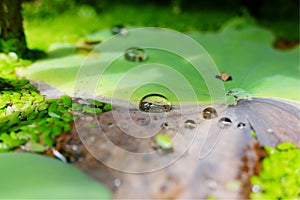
pixel 280 176
pixel 27 119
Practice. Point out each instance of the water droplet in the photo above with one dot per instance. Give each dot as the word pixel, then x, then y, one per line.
pixel 110 125
pixel 256 188
pixel 135 54
pixel 189 124
pixel 119 29
pixel 117 182
pixel 165 125
pixel 209 113
pixel 224 121
pixel 269 130
pixel 86 118
pixel 155 104
pixel 212 185
pixel 241 125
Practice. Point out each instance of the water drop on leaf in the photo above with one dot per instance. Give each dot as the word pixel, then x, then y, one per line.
pixel 241 125
pixel 224 122
pixel 135 54
pixel 190 124
pixel 155 103
pixel 119 29
pixel 209 113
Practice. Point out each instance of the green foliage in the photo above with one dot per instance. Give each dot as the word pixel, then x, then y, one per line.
pixel 91 106
pixel 26 118
pixel 46 25
pixel 280 176
pixel 32 176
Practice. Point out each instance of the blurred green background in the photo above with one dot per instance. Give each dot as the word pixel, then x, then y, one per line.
pixel 48 21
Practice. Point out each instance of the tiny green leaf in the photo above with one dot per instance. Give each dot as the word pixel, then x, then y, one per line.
pixel 95 102
pixel 67 101
pixel 36 147
pixel 107 107
pixel 163 141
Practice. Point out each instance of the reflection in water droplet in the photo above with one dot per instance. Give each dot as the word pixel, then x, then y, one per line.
pixel 155 103
pixel 209 113
pixel 241 125
pixel 117 182
pixel 135 54
pixel 224 121
pixel 189 124
pixel 119 29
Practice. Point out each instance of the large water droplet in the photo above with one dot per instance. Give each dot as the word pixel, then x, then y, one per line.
pixel 119 29
pixel 135 54
pixel 224 121
pixel 241 125
pixel 209 113
pixel 190 124
pixel 155 103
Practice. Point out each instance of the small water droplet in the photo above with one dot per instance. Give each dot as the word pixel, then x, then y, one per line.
pixel 241 125
pixel 209 113
pixel 256 188
pixel 190 124
pixel 119 29
pixel 269 130
pixel 212 185
pixel 135 54
pixel 155 103
pixel 110 125
pixel 117 182
pixel 224 121
pixel 165 125
pixel 87 118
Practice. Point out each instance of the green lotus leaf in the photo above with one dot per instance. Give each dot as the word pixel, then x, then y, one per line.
pixel 246 53
pixel 32 176
pixel 240 49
